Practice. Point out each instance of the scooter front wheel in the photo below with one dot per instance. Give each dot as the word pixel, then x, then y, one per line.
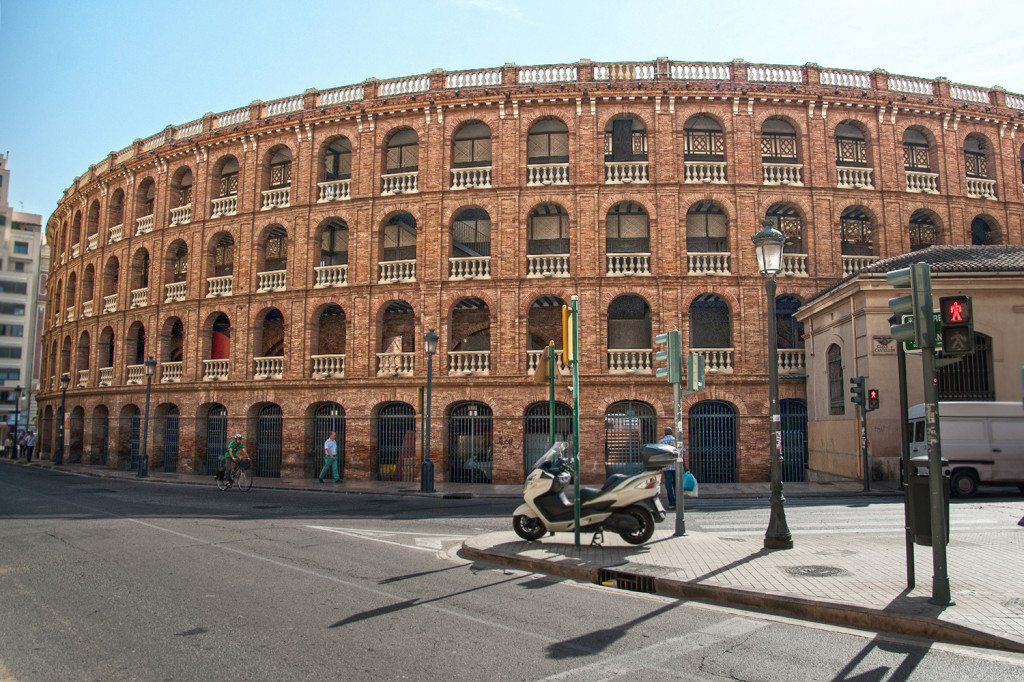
pixel 646 522
pixel 527 528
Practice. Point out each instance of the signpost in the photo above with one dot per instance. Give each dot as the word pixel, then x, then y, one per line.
pixel 570 341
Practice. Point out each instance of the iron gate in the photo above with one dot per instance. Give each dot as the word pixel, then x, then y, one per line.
pixel 535 431
pixel 101 437
pixel 712 437
pixel 794 439
pixel 470 455
pixel 171 430
pixel 396 442
pixel 627 426
pixel 268 441
pixel 328 417
pixel 216 437
pixel 134 440
pixel 77 442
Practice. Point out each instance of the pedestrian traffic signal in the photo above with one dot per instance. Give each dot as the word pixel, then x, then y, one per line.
pixel 857 390
pixel 695 363
pixel 568 347
pixel 918 279
pixel 872 399
pixel 671 355
pixel 957 325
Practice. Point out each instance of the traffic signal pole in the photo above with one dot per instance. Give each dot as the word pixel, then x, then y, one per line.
pixel 901 365
pixel 865 463
pixel 940 575
pixel 574 331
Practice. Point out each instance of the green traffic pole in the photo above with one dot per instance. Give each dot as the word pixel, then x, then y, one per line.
pixel 576 416
pixel 551 393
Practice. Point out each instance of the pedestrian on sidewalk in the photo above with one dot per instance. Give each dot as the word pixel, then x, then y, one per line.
pixel 670 471
pixel 330 457
pixel 30 444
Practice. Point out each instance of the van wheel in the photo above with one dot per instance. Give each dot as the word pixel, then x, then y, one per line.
pixel 964 483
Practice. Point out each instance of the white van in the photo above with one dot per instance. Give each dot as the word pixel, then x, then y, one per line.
pixel 983 441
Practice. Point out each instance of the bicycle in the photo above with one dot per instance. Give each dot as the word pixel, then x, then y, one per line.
pixel 241 478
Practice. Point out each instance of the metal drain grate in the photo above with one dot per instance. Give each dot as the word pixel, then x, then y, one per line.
pixel 625 581
pixel 816 571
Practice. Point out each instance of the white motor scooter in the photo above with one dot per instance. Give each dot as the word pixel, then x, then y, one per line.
pixel 625 504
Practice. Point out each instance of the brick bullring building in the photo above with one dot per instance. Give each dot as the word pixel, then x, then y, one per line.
pixel 283 261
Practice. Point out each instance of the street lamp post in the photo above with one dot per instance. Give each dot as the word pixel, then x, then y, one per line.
pixel 65 379
pixel 17 413
pixel 427 472
pixel 769 244
pixel 143 457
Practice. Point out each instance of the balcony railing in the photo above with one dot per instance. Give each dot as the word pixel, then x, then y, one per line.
pixel 170 372
pixel 330 276
pixel 794 265
pixel 106 376
pixel 69 314
pixel 135 374
pixel 855 178
pixel 87 308
pixel 533 359
pixel 538 174
pixel 784 174
pixel 83 378
pixel 629 361
pixel 627 264
pixel 477 267
pixel 549 265
pixel 978 188
pixel 792 361
pixel 471 178
pixel 139 298
pixel 110 303
pixel 333 190
pixel 272 280
pixel 182 215
pixel 76 250
pixel 709 263
pixel 276 198
pixel 92 242
pixel 399 183
pixel 626 172
pixel 328 366
pixel 216 370
pixel 175 291
pixel 223 206
pixel 219 286
pixel 393 271
pixel 115 234
pixel 144 225
pixel 710 172
pixel 395 364
pixel 467 362
pixel 268 367
pixel 852 264
pixel 717 360
pixel 922 182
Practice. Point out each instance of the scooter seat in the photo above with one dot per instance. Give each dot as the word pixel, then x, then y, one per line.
pixel 587 494
pixel 613 481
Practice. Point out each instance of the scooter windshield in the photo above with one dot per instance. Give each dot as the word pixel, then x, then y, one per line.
pixel 556 451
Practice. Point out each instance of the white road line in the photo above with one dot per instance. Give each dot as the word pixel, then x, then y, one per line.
pixel 831 524
pixel 430 545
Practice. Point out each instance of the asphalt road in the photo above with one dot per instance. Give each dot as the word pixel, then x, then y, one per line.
pixel 108 579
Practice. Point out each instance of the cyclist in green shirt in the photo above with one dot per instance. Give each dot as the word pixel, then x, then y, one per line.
pixel 232 456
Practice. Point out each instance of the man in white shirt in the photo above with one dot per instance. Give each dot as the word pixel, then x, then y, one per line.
pixel 330 458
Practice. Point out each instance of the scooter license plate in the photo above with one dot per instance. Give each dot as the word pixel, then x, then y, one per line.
pixel 657 505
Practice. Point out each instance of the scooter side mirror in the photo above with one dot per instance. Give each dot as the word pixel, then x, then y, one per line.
pixel 564 477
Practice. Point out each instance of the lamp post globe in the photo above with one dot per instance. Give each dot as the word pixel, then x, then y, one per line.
pixel 427 469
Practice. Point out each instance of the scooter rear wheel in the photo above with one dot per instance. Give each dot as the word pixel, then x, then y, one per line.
pixel 527 528
pixel 646 529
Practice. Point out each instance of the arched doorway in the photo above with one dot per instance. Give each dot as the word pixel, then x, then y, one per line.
pixel 328 417
pixel 100 435
pixel 129 438
pixel 794 439
pixel 712 439
pixel 216 437
pixel 171 428
pixel 269 427
pixel 396 442
pixel 77 443
pixel 536 425
pixel 470 455
pixel 627 426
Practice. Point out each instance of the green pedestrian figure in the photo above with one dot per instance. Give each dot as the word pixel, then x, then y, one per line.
pixel 330 458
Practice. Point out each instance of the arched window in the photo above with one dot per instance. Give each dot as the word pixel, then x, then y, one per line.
pixel 625 139
pixel 790 331
pixel 975 159
pixel 778 142
pixel 82 361
pixel 629 335
pixel 710 323
pixel 333 243
pixel 924 231
pixel 786 219
pixel 402 152
pixel 279 168
pixel 627 229
pixel 707 228
pixel 177 262
pixel 851 146
pixel 222 254
pixel 88 288
pixel 547 230
pixel 856 232
pixel 275 250
pixel 181 190
pixel 544 324
pixel 329 338
pixel 270 334
pixel 471 234
pixel 469 332
pixel 471 146
pixel 984 232
pixel 135 344
pixel 226 177
pixel 919 161
pixel 146 198
pixel 398 238
pixel 72 293
pixel 220 338
pixel 115 210
pixel 627 426
pixel 173 340
pixel 140 270
pixel 92 223
pixel 111 275
pixel 76 229
pixel 704 140
pixel 836 392
pixel 547 142
pixel 338 160
pixel 397 340
pixel 105 348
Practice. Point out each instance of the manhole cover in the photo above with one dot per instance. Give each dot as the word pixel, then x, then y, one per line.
pixel 816 571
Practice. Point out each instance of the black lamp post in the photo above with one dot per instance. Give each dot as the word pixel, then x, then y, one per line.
pixel 65 379
pixel 427 472
pixel 769 244
pixel 17 413
pixel 143 457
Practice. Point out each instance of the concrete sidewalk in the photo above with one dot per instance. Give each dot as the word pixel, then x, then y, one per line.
pixel 854 580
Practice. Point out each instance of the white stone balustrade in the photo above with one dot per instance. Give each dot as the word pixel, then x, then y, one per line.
pixel 625 72
pixel 276 198
pixel 629 361
pixel 115 234
pixel 978 188
pixel 695 71
pixel 709 263
pixel 144 225
pixel 216 370
pixel 135 374
pixel 87 308
pixel 92 242
pixel 69 314
pixel 626 172
pixel 182 215
pixel 328 366
pixel 170 372
pixel 538 174
pixel 913 86
pixel 927 183
pixel 794 265
pixel 333 190
pixel 330 276
pixel 469 362
pixel 471 178
pixel 548 265
pixel 855 178
pixel 547 74
pixel 476 267
pixel 138 298
pixel 395 364
pixel 845 79
pixel 852 264
pixel 224 206
pixel 627 264
pixel 106 376
pixel 792 361
pixel 174 291
pixel 76 250
pixel 272 280
pixel 83 378
pixel 271 367
pixel 110 303
pixel 352 93
pixel 219 286
pixel 473 79
pixel 403 86
pixel 394 271
pixel 399 183
pixel 707 172
pixel 533 360
pixel 775 74
pixel 784 174
pixel 717 360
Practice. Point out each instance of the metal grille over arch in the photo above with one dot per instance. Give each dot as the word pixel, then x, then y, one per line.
pixel 712 441
pixel 627 426
pixel 134 440
pixel 171 438
pixel 216 437
pixel 269 429
pixel 77 443
pixel 535 431
pixel 328 417
pixel 794 439
pixel 470 454
pixel 396 442
pixel 100 435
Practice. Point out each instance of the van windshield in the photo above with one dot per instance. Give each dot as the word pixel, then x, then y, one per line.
pixel 919 432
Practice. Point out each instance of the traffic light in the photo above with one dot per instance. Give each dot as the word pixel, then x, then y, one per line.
pixel 568 347
pixel 918 279
pixel 957 325
pixel 671 355
pixel 695 372
pixel 872 399
pixel 857 390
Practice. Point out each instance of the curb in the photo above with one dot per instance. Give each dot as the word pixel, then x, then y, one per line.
pixel 832 613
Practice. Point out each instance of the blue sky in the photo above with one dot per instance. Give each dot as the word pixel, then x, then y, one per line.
pixel 80 79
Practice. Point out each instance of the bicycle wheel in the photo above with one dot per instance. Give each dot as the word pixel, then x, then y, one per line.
pixel 222 483
pixel 243 480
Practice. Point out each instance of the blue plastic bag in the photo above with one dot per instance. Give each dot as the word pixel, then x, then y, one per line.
pixel 690 488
